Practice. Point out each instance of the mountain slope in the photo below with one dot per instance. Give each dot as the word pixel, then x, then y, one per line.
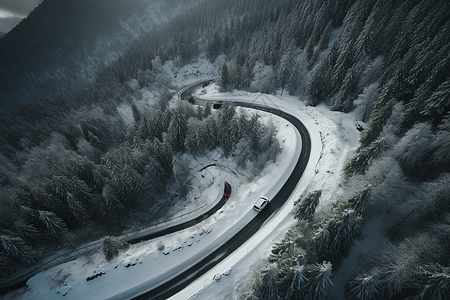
pixel 61 45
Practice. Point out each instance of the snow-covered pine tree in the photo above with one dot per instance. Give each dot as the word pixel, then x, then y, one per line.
pixel 319 279
pixel 26 231
pixel 362 286
pixel 54 224
pixel 16 247
pixel 364 102
pixel 360 201
pixel 297 79
pixel 323 40
pixel 287 254
pixel 111 247
pixel 320 76
pixel 193 142
pixel 343 101
pixel 435 282
pixel 225 79
pixel 176 133
pixel 439 160
pixel 322 240
pixel 305 209
pixel 269 285
pixel 363 157
pixel 297 289
pixel 285 68
pixel 439 103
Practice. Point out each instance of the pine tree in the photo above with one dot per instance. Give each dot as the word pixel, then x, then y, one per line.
pixel 362 159
pixel 435 282
pixel 317 88
pixel 319 279
pixel 26 231
pixel 305 209
pixel 362 287
pixel 439 103
pixel 360 200
pixel 297 79
pixel 322 240
pixel 177 130
pixel 285 68
pixel 224 80
pixel 55 225
pixel 324 39
pixel 344 98
pixel 17 248
pixel 299 281
pixel 269 285
pixel 111 247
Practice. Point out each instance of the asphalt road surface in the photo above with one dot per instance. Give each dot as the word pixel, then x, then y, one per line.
pixel 182 280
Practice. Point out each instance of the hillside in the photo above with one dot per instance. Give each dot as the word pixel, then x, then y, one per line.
pixel 61 46
pixel 384 61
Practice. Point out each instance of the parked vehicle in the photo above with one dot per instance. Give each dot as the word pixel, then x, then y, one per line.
pixel 206 84
pixel 217 104
pixel 227 190
pixel 261 203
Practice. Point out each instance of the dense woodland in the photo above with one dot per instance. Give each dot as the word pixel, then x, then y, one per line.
pixel 68 160
pixel 61 45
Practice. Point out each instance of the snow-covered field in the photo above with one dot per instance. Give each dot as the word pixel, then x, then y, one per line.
pixel 333 135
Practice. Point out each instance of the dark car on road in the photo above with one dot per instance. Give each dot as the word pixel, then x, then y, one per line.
pixel 227 190
pixel 217 104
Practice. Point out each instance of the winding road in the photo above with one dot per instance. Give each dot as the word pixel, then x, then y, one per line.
pixel 183 279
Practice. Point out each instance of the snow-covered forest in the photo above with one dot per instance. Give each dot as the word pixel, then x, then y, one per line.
pixel 70 161
pixel 60 46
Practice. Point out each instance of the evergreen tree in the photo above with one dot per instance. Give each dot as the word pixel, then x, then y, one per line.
pixel 360 200
pixel 5 264
pixel 362 287
pixel 364 156
pixel 297 79
pixel 439 103
pixel 320 76
pixel 319 279
pixel 299 281
pixel 269 285
pixel 285 68
pixel 305 209
pixel 17 248
pixel 26 231
pixel 224 80
pixel 176 133
pixel 111 247
pixel 54 224
pixel 435 282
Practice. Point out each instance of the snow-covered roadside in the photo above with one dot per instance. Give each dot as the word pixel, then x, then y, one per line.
pixel 333 133
pixel 155 259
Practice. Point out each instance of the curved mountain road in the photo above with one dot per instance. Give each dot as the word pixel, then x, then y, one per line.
pixel 183 279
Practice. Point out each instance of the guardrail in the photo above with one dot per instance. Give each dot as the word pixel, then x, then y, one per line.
pixel 47 263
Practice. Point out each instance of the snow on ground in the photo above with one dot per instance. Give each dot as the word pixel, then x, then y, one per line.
pixel 155 260
pixel 333 135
